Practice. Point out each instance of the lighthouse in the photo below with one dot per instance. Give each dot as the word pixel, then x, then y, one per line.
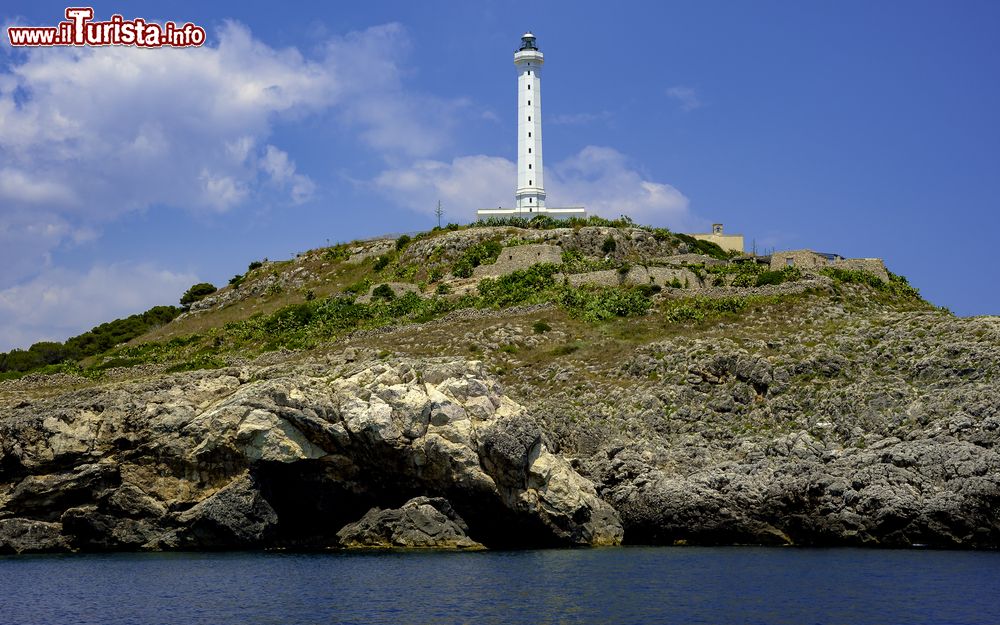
pixel 529 195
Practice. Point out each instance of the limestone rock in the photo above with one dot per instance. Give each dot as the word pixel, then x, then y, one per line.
pixel 421 523
pixel 283 456
pixel 31 536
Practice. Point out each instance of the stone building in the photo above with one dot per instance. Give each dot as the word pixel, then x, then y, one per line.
pixel 728 242
pixel 520 257
pixel 808 259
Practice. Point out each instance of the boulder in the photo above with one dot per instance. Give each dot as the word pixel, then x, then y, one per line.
pixel 420 523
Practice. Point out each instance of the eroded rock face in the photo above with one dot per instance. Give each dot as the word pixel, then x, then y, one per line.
pixel 879 429
pixel 421 523
pixel 287 456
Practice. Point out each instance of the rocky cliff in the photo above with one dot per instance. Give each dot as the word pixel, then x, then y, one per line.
pixel 794 408
pixel 294 456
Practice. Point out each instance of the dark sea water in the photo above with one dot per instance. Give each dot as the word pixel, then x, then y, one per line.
pixel 629 585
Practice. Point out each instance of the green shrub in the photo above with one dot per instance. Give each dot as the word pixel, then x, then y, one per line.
pixel 381 263
pixel 257 264
pixel 442 289
pixel 518 286
pixel 336 253
pixel 359 287
pixel 197 292
pixel 769 277
pixel 236 281
pixel 91 343
pixel 897 285
pixel 383 291
pixel 698 246
pixel 701 308
pixel 571 256
pixel 436 274
pixel 402 242
pixel 785 274
pixel 540 327
pixel 544 222
pixel 605 303
pixel 675 283
pixel 661 234
pixel 406 272
pixel 609 246
pixel 482 253
pixel 462 269
pixel 310 295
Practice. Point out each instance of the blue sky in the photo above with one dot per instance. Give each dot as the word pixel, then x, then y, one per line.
pixel 863 128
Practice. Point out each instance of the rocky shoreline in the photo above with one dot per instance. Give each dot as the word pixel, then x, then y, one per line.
pixel 304 456
pixel 839 426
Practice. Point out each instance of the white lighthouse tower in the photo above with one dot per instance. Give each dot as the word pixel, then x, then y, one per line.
pixel 529 196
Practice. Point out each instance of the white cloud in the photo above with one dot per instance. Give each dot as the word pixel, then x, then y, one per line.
pixel 394 119
pixel 90 134
pixel 605 183
pixel 686 97
pixel 281 169
pixel 37 310
pixel 597 177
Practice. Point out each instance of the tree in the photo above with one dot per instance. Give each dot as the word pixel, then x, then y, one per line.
pixel 197 292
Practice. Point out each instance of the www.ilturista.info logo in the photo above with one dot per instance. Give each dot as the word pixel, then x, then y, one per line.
pixel 79 29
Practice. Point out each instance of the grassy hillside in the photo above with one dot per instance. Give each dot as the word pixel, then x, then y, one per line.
pixel 327 294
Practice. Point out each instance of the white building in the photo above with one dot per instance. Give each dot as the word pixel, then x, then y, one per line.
pixel 529 196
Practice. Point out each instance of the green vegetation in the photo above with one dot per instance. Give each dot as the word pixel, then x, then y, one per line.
pixel 701 308
pixel 518 287
pixel 383 291
pixel 575 262
pixel 482 253
pixel 305 325
pixel 609 246
pixel 197 292
pixel 90 343
pixel 897 285
pixel 747 274
pixel 359 287
pixel 337 253
pixel 284 320
pixel 541 327
pixel 697 246
pixel 785 274
pixel 543 222
pixel 600 304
